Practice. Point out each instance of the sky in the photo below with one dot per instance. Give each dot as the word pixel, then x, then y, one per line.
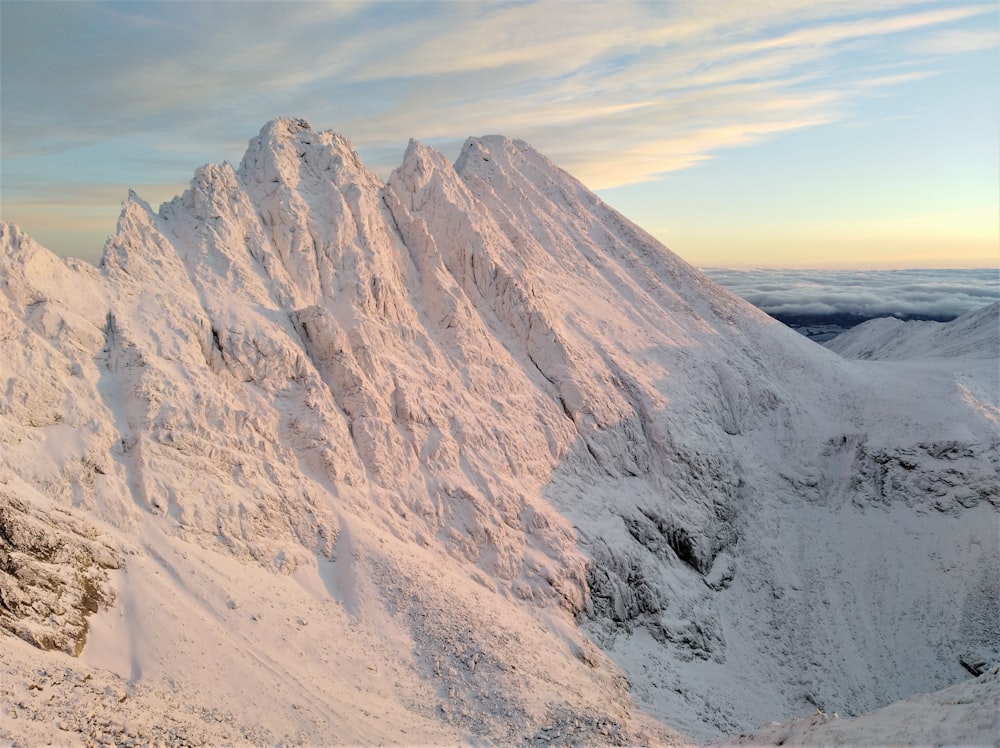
pixel 758 133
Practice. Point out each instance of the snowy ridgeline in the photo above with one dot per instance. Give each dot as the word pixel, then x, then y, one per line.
pixel 465 456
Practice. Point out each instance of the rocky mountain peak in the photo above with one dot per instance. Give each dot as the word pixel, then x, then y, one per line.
pixel 289 151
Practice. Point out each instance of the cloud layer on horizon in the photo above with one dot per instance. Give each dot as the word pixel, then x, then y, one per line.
pixel 940 294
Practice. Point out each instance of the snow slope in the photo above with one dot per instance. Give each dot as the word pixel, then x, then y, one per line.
pixel 975 335
pixel 965 714
pixel 464 456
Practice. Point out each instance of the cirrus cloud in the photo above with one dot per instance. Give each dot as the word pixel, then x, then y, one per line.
pixel 670 81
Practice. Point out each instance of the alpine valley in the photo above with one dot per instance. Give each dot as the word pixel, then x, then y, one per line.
pixel 466 457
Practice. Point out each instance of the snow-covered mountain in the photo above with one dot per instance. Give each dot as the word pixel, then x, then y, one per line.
pixel 461 456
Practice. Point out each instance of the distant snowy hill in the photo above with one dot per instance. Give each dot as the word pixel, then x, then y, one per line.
pixel 974 335
pixel 965 714
pixel 461 456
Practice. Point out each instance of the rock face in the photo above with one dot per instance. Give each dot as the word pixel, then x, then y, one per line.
pixel 482 368
pixel 52 575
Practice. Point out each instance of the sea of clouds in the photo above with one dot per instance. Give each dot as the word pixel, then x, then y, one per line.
pixel 923 294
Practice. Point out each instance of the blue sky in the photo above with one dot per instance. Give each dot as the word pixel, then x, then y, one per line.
pixel 777 133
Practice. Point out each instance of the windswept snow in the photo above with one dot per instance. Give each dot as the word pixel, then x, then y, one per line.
pixel 467 457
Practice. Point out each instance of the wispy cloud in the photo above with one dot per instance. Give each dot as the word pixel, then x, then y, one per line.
pixel 660 86
pixel 386 71
pixel 956 41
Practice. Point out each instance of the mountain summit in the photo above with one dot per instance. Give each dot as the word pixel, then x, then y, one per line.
pixel 465 455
